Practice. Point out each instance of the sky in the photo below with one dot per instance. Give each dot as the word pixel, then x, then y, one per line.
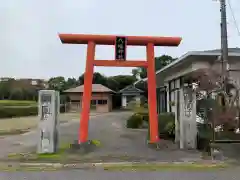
pixel 30 47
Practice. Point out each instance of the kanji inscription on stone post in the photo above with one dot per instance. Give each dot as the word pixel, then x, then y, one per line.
pixel 120 48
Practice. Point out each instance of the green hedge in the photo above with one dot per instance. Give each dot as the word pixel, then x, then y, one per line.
pixel 20 111
pixel 166 123
pixel 17 103
pixel 9 112
pixel 204 137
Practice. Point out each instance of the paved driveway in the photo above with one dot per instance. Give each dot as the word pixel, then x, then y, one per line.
pixel 121 144
pixel 117 142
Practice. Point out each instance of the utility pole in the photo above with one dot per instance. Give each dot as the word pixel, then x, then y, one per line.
pixel 224 45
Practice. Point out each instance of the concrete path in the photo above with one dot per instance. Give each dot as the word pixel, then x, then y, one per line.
pixel 232 174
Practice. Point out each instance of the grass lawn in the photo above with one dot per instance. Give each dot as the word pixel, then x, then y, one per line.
pixel 11 126
pixel 65 156
pixel 166 166
pixel 16 125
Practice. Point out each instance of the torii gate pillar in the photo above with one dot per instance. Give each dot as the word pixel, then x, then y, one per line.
pixel 91 41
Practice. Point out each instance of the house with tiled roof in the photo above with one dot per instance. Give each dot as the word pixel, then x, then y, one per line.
pixel 129 94
pixel 101 98
pixel 169 79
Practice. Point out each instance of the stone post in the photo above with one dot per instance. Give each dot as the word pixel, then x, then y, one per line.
pixel 48 126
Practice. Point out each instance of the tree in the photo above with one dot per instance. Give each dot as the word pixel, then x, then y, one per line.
pixel 219 109
pixel 139 72
pixel 136 73
pixel 98 78
pixel 30 93
pixel 71 82
pixel 4 89
pixel 16 94
pixel 143 72
pixel 81 79
pixel 160 62
pixel 12 89
pixel 57 83
pixel 19 90
pixel 119 82
pixel 113 84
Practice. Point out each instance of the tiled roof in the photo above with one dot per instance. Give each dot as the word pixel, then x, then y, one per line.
pixel 130 89
pixel 230 50
pixel 214 52
pixel 95 88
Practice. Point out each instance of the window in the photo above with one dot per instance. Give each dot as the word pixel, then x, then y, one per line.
pixel 75 101
pixel 172 85
pixel 102 102
pixel 34 83
pixel 177 83
pixel 173 99
pixel 169 97
pixel 163 102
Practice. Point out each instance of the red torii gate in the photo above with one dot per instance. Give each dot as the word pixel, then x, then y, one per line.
pixel 92 41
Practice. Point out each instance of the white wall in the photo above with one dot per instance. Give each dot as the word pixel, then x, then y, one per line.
pixel 166 84
pixel 124 101
pixel 138 99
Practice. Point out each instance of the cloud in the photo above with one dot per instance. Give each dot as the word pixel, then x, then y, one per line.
pixel 30 46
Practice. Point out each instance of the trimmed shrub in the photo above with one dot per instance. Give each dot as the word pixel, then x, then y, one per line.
pixel 135 121
pixel 170 129
pixel 13 111
pixel 166 125
pixel 204 137
pixel 145 117
pixel 131 105
pixel 143 111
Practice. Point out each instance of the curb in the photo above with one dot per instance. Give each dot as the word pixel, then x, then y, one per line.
pixel 110 164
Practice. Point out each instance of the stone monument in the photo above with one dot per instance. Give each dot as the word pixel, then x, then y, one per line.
pixel 48 127
pixel 188 124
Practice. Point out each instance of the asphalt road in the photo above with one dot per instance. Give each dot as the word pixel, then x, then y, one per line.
pixel 232 174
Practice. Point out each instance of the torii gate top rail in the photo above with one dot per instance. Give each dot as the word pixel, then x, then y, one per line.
pixel 110 40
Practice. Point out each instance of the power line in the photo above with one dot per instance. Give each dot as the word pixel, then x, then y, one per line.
pixel 234 18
